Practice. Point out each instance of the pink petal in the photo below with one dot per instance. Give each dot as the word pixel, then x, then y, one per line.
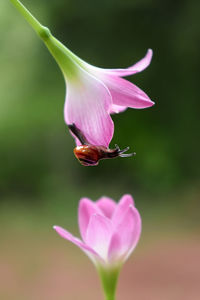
pixel 115 109
pixel 99 234
pixel 107 206
pixel 125 93
pixel 135 233
pixel 114 251
pixel 86 209
pixel 122 208
pixel 138 67
pixel 126 235
pixel 86 249
pixel 87 105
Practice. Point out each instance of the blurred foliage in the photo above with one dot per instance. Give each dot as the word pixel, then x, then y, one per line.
pixel 36 150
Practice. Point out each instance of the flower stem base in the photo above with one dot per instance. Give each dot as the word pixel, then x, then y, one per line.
pixel 109 279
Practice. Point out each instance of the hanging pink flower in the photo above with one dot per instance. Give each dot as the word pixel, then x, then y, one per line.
pixel 109 231
pixel 92 93
pixel 96 93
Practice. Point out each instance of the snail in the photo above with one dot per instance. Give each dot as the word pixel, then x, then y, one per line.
pixel 90 155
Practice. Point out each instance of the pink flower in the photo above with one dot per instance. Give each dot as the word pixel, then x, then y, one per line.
pixel 109 231
pixel 94 93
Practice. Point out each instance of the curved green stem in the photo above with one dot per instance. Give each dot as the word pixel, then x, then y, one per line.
pixel 64 57
pixel 41 30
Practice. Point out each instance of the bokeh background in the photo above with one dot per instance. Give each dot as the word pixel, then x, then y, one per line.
pixel 41 182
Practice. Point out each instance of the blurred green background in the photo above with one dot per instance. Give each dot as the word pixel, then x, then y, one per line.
pixel 41 182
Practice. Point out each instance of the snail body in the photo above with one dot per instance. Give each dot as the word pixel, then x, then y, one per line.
pixel 90 155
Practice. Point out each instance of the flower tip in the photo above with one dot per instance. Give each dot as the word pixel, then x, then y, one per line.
pixel 150 51
pixel 149 103
pixel 149 55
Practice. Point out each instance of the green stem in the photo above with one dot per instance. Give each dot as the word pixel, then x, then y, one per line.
pixel 41 30
pixel 109 278
pixel 64 57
